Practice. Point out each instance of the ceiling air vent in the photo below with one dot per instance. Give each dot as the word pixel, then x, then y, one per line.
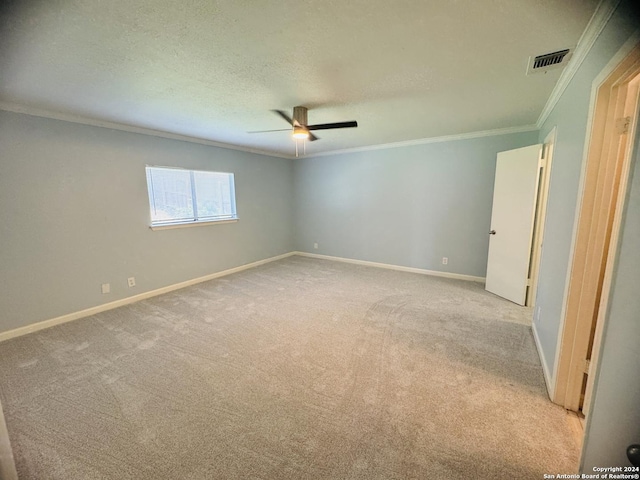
pixel 549 61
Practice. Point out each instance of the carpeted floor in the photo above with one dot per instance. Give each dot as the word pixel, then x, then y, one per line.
pixel 298 369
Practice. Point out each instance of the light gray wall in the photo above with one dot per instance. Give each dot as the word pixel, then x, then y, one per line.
pixel 614 420
pixel 570 116
pixel 406 206
pixel 75 212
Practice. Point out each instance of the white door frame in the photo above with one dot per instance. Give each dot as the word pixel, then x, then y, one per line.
pixel 541 215
pixel 603 182
pixel 7 463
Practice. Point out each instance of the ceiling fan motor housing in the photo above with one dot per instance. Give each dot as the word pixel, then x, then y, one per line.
pixel 300 115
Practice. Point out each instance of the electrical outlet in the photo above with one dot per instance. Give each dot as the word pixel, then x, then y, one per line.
pixel 106 288
pixel 445 260
pixel 131 281
pixel 315 245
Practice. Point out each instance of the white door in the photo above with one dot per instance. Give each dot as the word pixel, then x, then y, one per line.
pixel 512 218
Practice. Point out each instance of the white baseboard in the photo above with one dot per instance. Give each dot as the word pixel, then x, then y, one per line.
pixel 545 367
pixel 34 327
pixel 400 268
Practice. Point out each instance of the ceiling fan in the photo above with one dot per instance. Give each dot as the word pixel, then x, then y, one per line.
pixel 301 129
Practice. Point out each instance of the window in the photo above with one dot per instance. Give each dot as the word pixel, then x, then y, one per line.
pixel 180 197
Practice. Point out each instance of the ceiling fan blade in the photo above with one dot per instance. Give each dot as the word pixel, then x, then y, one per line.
pixel 327 126
pixel 288 119
pixel 266 131
pixel 312 137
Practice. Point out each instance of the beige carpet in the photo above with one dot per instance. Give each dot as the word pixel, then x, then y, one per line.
pixel 299 369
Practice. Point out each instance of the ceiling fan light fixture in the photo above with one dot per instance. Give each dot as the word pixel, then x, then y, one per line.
pixel 300 133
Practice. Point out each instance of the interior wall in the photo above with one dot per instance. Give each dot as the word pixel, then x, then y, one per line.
pixel 75 214
pixel 570 115
pixel 407 206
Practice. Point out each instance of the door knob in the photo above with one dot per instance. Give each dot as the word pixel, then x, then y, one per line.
pixel 492 232
pixel 633 453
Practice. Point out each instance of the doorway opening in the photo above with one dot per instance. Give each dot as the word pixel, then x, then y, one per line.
pixel 599 218
pixel 517 221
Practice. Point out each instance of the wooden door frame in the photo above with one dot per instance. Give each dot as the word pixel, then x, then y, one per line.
pixel 541 215
pixel 604 183
pixel 633 108
pixel 7 463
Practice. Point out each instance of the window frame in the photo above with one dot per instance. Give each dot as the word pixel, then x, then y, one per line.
pixel 194 221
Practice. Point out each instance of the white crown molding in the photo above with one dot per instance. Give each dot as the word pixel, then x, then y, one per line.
pixel 36 112
pixel 66 117
pixel 599 19
pixel 593 29
pixel 424 141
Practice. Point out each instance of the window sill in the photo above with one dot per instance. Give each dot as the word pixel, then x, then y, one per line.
pixel 192 224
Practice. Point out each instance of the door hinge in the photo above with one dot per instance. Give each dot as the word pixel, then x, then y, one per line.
pixel 622 125
pixel 542 163
pixel 586 365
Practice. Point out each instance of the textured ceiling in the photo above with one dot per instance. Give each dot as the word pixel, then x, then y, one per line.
pixel 405 70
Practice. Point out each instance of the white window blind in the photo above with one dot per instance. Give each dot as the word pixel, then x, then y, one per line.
pixel 178 196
